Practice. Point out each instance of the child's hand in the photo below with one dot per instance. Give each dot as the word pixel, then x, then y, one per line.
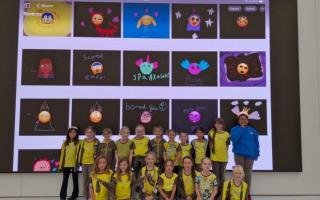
pixel 199 198
pixel 189 198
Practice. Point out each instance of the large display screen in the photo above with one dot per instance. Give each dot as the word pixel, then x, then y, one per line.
pixel 178 64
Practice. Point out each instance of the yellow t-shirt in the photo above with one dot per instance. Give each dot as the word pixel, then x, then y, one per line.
pixel 220 146
pixel 188 183
pixel 235 191
pixel 124 149
pixel 167 183
pixel 200 150
pixel 147 187
pixel 70 157
pixel 185 151
pixel 88 152
pixel 106 177
pixel 141 146
pixel 171 150
pixel 123 187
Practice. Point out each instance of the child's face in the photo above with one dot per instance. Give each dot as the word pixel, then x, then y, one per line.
pixel 169 167
pixel 150 160
pixel 72 134
pixel 183 138
pixel 102 164
pixel 218 126
pixel 243 120
pixel 123 166
pixel 140 132
pixel 199 134
pixel 89 133
pixel 206 165
pixel 124 134
pixel 171 135
pixel 107 135
pixel 157 132
pixel 187 164
pixel 237 174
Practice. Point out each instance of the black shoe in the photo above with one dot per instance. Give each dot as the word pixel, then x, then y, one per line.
pixel 72 198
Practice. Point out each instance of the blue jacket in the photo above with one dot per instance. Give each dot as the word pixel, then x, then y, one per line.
pixel 245 142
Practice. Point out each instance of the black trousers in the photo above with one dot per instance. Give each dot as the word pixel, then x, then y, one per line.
pixel 138 163
pixel 66 172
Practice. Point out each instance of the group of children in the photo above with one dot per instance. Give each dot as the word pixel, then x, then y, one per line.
pixel 140 168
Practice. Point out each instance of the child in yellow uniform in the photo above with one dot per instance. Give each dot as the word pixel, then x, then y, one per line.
pixel 122 179
pixel 151 174
pixel 100 177
pixel 219 141
pixel 185 184
pixel 236 188
pixel 172 149
pixel 200 147
pixel 167 183
pixel 186 148
pixel 124 146
pixel 68 162
pixel 141 145
pixel 107 148
pixel 87 153
pixel 206 184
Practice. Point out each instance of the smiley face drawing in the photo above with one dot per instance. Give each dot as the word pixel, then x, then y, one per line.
pixel 97 19
pixel 194 68
pixel 47 18
pixel 194 116
pixel 146 67
pixel 146 20
pixel 242 68
pixel 96 68
pixel 95 113
pixel 194 21
pixel 242 21
pixel 145 117
pixel 42 166
pixel 44 117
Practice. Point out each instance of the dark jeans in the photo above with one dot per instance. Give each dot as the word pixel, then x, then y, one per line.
pixel 138 163
pixel 66 172
pixel 219 169
pixel 247 165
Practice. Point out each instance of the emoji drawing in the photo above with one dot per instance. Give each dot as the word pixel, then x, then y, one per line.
pixel 194 116
pixel 194 23
pixel 95 113
pixel 44 119
pixel 242 21
pixel 145 117
pixel 146 20
pixel 45 69
pixel 194 68
pixel 146 67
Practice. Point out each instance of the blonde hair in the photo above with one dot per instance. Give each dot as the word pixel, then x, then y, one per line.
pixel 238 168
pixel 151 153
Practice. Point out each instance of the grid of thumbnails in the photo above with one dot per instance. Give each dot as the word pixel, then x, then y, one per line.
pixel 121 68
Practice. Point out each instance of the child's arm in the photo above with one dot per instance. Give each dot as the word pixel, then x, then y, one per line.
pixel 91 191
pixel 174 188
pixel 214 193
pixel 196 187
pixel 61 156
pixel 236 134
pixel 162 193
